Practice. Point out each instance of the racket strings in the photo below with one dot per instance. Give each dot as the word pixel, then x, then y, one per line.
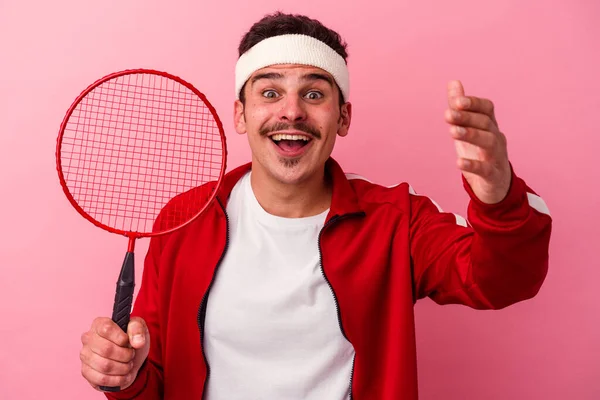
pixel 135 142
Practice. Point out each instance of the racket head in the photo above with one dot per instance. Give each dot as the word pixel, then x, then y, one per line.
pixel 132 132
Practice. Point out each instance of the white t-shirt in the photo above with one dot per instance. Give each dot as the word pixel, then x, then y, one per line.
pixel 271 327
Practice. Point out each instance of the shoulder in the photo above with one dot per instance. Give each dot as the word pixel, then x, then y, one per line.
pixel 401 195
pixel 184 206
pixel 372 192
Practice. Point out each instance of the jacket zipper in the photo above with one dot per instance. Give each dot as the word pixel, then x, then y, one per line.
pixel 337 306
pixel 352 376
pixel 202 309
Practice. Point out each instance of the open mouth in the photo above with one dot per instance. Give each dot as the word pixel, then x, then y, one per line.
pixel 290 143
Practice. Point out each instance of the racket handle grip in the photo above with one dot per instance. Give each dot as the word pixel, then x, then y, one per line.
pixel 123 301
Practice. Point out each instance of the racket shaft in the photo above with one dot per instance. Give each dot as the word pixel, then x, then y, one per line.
pixel 123 301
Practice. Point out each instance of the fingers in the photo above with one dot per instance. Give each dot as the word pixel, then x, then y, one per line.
pixel 104 365
pixel 473 104
pixel 470 119
pixel 97 379
pixel 106 328
pixel 481 168
pixel 488 141
pixel 458 101
pixel 137 332
pixel 107 349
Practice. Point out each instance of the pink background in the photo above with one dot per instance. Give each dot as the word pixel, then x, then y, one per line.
pixel 537 60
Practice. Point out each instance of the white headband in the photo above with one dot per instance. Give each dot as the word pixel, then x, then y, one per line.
pixel 292 49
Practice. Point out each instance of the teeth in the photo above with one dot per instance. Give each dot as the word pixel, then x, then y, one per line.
pixel 284 136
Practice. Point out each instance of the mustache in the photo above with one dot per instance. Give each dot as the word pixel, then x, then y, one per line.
pixel 283 126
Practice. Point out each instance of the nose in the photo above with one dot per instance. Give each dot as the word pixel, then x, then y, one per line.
pixel 292 109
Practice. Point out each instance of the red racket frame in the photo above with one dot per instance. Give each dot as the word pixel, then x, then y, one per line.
pixel 131 234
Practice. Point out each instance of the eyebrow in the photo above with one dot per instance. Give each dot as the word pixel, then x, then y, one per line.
pixel 267 75
pixel 317 77
pixel 307 77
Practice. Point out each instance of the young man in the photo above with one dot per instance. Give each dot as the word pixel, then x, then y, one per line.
pixel 299 281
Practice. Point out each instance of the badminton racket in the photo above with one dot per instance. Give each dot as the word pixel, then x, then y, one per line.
pixel 130 143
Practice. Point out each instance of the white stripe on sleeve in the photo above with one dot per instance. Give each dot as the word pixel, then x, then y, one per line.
pixel 537 203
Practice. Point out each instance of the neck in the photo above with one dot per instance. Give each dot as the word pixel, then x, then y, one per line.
pixel 302 199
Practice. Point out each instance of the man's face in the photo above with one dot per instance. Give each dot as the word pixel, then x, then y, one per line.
pixel 291 116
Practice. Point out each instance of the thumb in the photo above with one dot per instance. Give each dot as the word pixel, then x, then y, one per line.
pixel 137 330
pixel 455 89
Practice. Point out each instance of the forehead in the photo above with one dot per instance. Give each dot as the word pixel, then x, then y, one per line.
pixel 291 71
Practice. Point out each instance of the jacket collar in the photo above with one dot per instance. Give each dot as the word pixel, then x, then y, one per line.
pixel 343 201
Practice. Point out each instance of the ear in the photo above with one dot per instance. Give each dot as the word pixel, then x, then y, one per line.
pixel 239 118
pixel 345 118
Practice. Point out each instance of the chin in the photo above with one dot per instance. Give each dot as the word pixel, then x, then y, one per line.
pixel 292 170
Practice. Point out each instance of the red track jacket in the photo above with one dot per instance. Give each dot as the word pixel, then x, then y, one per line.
pixel 381 250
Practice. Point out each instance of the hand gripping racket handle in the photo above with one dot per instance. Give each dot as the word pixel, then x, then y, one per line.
pixel 123 301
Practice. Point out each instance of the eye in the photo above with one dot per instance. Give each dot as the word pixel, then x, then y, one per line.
pixel 314 95
pixel 270 94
